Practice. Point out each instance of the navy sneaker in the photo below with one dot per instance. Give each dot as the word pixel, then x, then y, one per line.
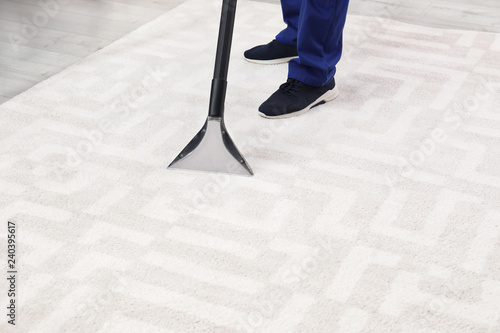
pixel 273 53
pixel 294 98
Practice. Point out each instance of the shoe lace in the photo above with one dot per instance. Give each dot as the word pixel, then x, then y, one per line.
pixel 290 86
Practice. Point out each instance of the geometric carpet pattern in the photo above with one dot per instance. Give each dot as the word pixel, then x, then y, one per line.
pixel 377 212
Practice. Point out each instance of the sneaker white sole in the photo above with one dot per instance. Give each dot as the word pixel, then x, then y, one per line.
pixel 329 96
pixel 270 62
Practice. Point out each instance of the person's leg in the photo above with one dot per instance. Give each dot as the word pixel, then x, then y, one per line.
pixel 319 41
pixel 311 76
pixel 291 11
pixel 284 47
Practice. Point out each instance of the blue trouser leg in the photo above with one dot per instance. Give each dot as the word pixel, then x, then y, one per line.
pixel 291 11
pixel 318 25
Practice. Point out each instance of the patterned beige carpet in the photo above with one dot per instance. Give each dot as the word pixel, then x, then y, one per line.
pixel 378 212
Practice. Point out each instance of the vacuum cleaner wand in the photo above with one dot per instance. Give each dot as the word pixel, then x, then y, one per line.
pixel 212 149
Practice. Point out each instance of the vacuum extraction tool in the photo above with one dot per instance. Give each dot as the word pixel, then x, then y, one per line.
pixel 212 149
